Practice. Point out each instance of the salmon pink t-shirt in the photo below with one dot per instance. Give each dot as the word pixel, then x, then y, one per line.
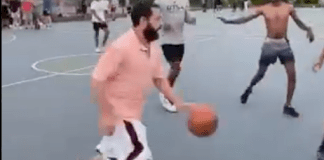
pixel 128 71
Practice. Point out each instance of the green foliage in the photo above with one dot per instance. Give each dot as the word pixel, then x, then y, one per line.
pixel 195 3
pixel 299 2
pixel 259 2
pixel 311 1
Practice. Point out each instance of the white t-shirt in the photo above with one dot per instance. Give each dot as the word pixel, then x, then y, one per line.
pixel 100 7
pixel 175 14
pixel 115 2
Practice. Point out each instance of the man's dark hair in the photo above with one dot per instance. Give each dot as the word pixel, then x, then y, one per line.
pixel 141 9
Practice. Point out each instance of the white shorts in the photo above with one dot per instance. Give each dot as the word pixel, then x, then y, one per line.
pixel 15 15
pixel 28 16
pixel 246 4
pixel 129 140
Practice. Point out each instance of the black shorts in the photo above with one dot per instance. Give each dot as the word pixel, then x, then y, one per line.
pixel 173 53
pixel 129 9
pixel 272 51
pixel 84 9
pixel 46 13
pixel 113 8
pixel 97 26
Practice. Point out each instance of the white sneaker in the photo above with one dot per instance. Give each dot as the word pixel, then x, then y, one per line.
pixel 98 50
pixel 98 148
pixel 167 105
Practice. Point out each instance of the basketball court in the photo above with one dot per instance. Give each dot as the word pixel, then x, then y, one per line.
pixel 47 114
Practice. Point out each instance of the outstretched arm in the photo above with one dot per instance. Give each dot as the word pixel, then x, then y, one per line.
pixel 321 59
pixel 319 64
pixel 301 25
pixel 242 19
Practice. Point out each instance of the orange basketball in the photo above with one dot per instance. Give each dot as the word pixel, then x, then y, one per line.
pixel 203 121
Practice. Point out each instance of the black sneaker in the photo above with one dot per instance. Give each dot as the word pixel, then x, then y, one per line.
pixel 320 155
pixel 245 95
pixel 290 111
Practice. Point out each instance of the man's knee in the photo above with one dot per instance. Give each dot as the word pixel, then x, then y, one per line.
pixel 262 70
pixel 176 66
pixel 292 78
pixel 261 75
pixel 291 72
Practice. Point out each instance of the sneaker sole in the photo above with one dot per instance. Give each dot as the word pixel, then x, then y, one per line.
pixel 100 157
pixel 291 117
pixel 170 111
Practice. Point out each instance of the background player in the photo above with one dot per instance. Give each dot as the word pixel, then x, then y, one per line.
pixel 276 45
pixel 175 14
pixel 99 10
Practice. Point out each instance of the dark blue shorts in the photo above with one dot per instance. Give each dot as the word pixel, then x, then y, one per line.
pixel 274 49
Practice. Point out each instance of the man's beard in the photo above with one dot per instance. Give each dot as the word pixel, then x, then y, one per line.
pixel 150 33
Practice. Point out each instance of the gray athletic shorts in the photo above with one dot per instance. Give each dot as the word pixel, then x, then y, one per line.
pixel 276 48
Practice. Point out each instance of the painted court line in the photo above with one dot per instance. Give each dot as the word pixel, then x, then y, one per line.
pixel 43 77
pixel 53 74
pixel 14 37
pixel 207 39
pixel 76 31
pixel 34 65
pixel 199 40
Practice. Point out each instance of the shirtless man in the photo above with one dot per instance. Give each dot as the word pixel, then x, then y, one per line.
pixel 276 45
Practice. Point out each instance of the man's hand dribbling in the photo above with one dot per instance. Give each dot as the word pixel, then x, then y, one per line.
pixel 182 106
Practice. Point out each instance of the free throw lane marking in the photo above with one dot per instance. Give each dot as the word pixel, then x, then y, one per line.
pixel 42 77
pixel 13 38
pixel 34 65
